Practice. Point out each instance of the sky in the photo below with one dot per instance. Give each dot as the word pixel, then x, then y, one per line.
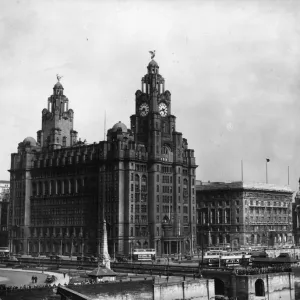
pixel 232 68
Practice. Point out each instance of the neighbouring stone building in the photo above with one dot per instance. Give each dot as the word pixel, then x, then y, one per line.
pixel 243 214
pixel 142 179
pixel 4 204
pixel 296 217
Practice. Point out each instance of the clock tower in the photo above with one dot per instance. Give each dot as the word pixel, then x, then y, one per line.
pixel 170 166
pixel 153 118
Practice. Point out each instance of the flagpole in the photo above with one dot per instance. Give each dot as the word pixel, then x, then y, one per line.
pixel 104 133
pixel 288 175
pixel 242 170
pixel 266 170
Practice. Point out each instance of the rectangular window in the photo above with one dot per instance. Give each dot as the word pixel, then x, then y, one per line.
pixel 137 208
pixel 157 208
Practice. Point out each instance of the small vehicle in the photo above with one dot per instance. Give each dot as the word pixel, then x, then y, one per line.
pixel 121 259
pixel 17 267
pixel 50 279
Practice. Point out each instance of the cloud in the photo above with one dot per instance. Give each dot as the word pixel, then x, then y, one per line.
pixel 232 68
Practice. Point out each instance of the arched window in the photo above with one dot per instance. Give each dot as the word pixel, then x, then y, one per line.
pixel 40 188
pixel 166 153
pixel 185 188
pixel 58 187
pixel 46 188
pixel 259 288
pixel 144 183
pixel 51 187
pixel 137 183
pixel 66 186
pixel 34 189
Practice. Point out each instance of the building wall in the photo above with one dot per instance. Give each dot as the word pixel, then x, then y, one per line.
pixel 276 286
pixel 238 213
pixel 191 289
pixel 62 192
pixel 4 209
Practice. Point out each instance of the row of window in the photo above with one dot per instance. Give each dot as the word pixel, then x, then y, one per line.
pixel 57 187
pixel 269 210
pixel 61 161
pixel 269 203
pixel 58 221
pixel 268 219
pixel 220 203
pixel 60 201
pixel 57 211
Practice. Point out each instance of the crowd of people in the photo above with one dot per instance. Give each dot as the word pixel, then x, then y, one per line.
pixel 3 287
pixel 263 270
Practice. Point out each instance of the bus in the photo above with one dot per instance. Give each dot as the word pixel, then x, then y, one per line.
pixel 225 258
pixel 143 254
pixel 4 252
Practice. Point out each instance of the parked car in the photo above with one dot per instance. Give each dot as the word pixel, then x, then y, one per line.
pixel 50 279
pixel 121 259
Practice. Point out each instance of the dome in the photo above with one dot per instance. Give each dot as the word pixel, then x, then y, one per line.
pixel 30 141
pixel 153 63
pixel 119 125
pixel 58 85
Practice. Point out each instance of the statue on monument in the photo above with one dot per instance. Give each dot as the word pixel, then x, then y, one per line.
pixel 152 54
pixel 58 77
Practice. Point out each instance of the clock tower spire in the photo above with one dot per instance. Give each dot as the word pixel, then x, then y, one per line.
pixel 153 122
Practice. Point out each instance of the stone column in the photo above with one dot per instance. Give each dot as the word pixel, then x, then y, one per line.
pixel 104 256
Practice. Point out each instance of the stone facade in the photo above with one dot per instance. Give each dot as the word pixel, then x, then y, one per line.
pixel 296 217
pixel 141 181
pixel 242 214
pixel 199 289
pixel 4 204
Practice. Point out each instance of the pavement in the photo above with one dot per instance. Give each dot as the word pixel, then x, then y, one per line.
pixel 60 278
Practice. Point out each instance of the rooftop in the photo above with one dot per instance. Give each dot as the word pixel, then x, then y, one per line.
pixel 233 185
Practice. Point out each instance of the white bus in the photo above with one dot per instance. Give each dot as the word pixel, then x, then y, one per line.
pixel 4 252
pixel 143 254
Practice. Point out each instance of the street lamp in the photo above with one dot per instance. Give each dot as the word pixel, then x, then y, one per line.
pixel 206 226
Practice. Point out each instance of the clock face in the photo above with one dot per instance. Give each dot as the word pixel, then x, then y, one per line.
pixel 163 109
pixel 144 109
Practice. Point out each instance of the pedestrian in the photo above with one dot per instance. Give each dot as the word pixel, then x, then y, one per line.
pixel 32 279
pixel 64 275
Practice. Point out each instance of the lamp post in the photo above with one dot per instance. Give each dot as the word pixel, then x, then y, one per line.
pixel 206 226
pixel 71 247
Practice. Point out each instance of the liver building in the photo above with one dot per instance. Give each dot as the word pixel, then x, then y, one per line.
pixel 140 181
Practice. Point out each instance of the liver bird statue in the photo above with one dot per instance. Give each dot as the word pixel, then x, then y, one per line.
pixel 152 54
pixel 58 77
